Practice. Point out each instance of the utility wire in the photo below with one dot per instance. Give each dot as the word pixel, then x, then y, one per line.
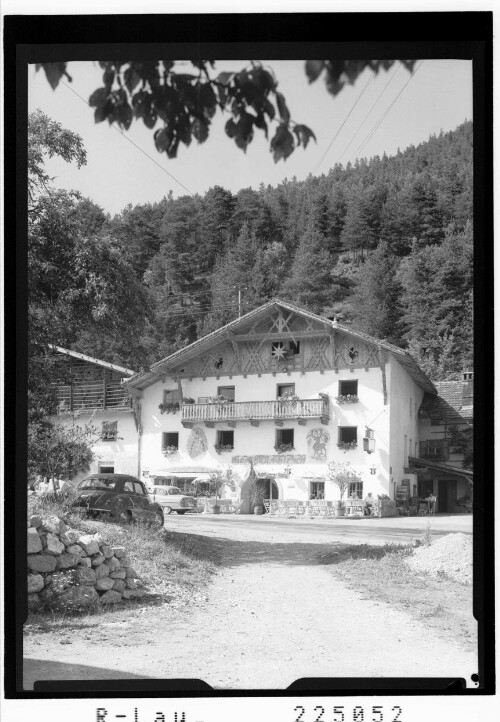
pixel 371 109
pixel 325 153
pixel 384 115
pixel 132 142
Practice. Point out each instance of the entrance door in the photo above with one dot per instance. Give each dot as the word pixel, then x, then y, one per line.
pixel 270 488
pixel 442 500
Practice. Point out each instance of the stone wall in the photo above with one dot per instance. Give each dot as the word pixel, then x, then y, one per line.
pixel 70 570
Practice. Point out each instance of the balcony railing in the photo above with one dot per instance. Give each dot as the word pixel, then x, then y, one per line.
pixel 255 410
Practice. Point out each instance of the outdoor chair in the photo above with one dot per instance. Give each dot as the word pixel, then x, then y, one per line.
pixel 267 505
pixel 292 505
pixel 301 508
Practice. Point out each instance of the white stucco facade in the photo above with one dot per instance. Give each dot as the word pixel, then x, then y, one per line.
pixel 120 455
pixel 255 442
pixel 384 389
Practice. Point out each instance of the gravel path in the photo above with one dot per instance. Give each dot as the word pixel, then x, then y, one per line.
pixel 274 613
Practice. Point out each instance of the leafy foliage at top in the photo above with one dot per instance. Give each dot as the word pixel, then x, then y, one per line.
pixel 186 100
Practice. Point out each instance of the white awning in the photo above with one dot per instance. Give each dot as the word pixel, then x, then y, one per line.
pixel 199 476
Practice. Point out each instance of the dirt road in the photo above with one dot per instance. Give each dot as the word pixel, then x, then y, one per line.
pixel 274 613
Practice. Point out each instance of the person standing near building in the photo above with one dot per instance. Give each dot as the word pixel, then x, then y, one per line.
pixel 431 502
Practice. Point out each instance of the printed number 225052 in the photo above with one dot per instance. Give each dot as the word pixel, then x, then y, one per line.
pixel 343 713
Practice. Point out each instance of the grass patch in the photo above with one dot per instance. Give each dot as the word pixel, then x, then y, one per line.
pixel 173 568
pixel 381 573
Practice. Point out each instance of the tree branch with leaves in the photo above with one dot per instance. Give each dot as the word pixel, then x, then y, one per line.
pixel 186 102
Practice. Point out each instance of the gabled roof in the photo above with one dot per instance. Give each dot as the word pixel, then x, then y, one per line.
pixel 90 359
pixel 160 368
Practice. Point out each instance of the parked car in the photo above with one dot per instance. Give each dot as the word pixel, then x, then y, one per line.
pixel 120 497
pixel 172 499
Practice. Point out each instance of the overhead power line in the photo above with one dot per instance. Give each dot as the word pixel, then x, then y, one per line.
pixel 132 143
pixel 371 109
pixel 386 112
pixel 325 153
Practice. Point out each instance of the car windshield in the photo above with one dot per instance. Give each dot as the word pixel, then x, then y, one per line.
pixel 174 490
pixel 160 491
pixel 98 484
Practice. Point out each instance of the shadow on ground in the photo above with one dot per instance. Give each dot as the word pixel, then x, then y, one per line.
pixel 228 552
pixel 37 670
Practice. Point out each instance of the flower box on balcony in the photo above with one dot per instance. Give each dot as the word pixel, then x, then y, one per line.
pixel 347 399
pixel 219 448
pixel 289 397
pixel 169 408
pixel 188 400
pixel 169 450
pixel 283 448
pixel 347 445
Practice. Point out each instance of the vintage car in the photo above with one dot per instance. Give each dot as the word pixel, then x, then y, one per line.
pixel 172 499
pixel 120 497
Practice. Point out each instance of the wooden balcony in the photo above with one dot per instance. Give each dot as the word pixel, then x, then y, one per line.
pixel 89 396
pixel 255 411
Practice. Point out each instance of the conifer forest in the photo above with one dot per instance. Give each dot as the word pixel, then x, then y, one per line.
pixel 384 245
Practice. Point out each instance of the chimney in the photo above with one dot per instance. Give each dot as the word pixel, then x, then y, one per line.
pixel 467 389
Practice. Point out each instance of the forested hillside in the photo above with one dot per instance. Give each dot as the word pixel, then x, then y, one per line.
pixel 385 245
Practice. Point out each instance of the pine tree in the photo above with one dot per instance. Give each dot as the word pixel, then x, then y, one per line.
pixel 376 299
pixel 309 284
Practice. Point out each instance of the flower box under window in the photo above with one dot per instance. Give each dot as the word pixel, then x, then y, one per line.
pixel 109 430
pixel 224 441
pixel 171 401
pixel 348 437
pixel 348 392
pixel 284 440
pixel 170 442
pixel 347 399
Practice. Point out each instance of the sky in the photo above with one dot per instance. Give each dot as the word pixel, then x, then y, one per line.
pixel 379 113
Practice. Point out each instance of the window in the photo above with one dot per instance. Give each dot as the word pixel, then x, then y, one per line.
pixel 348 436
pixel 348 388
pixel 284 440
pixel 170 439
pixel 317 490
pixel 106 467
pixel 356 489
pixel 283 389
pixel 138 488
pixel 224 440
pixel 294 347
pixel 227 391
pixel 109 430
pixel 172 396
pixel 436 449
pixel 128 486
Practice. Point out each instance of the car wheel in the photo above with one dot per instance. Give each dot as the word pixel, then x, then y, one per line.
pixel 124 516
pixel 181 512
pixel 158 520
pixel 167 509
